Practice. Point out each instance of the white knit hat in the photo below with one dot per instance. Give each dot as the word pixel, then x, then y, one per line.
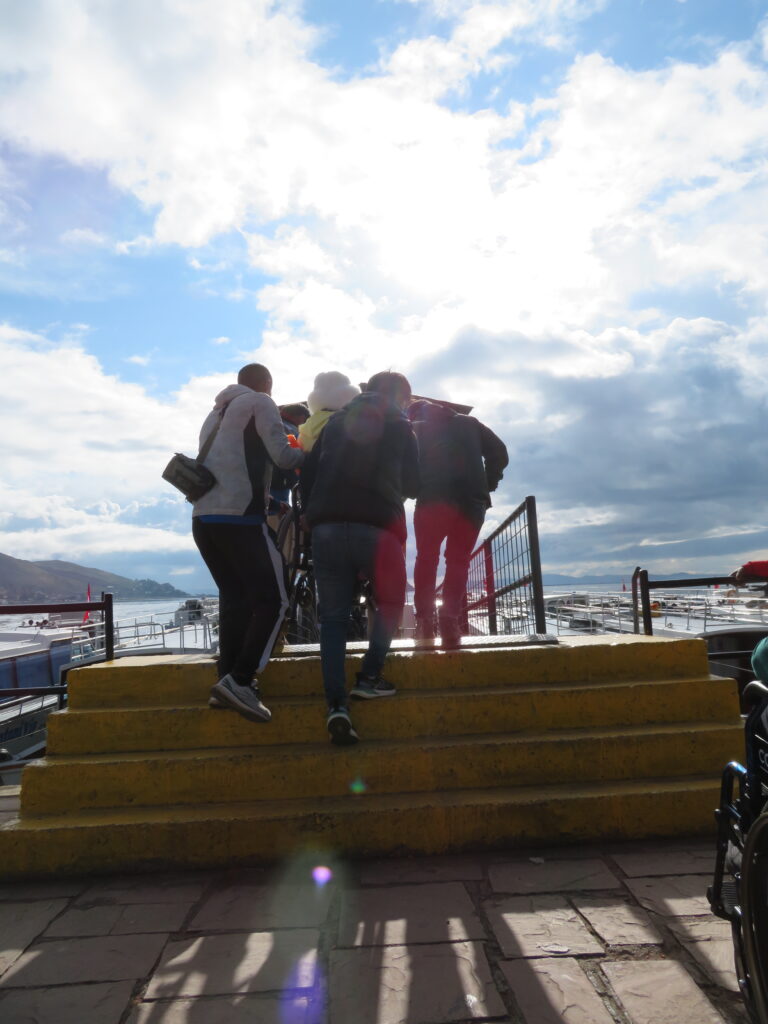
pixel 332 390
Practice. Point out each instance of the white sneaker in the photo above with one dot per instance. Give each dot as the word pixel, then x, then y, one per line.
pixel 243 699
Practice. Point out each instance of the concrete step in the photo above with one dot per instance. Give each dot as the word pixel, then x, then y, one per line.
pixel 385 766
pixel 409 715
pixel 364 824
pixel 171 680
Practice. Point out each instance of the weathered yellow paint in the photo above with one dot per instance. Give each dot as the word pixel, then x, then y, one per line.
pixel 598 737
pixel 169 680
pixel 428 765
pixel 412 714
pixel 432 823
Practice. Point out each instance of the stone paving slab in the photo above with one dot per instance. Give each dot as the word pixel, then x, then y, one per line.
pixel 429 984
pixel 660 992
pixel 421 869
pixel 262 908
pixel 673 860
pixel 233 1010
pixel 531 926
pixel 117 919
pixel 241 962
pixel 403 915
pixel 618 922
pixel 554 991
pixel 21 923
pixel 539 875
pixel 406 941
pixel 71 1004
pixel 67 961
pixel 676 896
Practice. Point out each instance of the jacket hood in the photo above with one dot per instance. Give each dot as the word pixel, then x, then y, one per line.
pixel 429 412
pixel 332 390
pixel 231 391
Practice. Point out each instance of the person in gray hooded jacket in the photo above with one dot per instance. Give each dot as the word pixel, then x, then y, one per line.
pixel 230 530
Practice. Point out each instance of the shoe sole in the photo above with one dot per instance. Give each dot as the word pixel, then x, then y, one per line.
pixel 368 695
pixel 229 700
pixel 342 733
pixel 214 702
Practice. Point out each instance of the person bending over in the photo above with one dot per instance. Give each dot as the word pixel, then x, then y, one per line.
pixel 461 462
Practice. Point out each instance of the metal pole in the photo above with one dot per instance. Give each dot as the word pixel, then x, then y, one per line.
pixel 635 614
pixel 536 582
pixel 109 627
pixel 645 597
pixel 490 589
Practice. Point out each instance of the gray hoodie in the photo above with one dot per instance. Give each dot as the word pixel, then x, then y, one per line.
pixel 251 440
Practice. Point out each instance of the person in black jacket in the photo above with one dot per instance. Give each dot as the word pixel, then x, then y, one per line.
pixel 354 481
pixel 461 462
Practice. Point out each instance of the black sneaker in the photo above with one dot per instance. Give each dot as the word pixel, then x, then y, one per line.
pixel 243 699
pixel 340 727
pixel 368 687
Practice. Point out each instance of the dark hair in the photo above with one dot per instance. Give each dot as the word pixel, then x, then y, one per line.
pixel 295 412
pixel 393 386
pixel 253 372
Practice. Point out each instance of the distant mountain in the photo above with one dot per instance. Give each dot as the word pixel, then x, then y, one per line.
pixel 33 582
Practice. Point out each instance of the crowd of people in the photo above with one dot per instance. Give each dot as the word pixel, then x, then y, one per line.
pixel 358 455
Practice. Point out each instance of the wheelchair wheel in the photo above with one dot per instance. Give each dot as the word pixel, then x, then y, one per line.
pixel 303 627
pixel 754 919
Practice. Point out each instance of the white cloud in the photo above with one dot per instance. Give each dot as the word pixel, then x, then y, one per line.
pixel 83 236
pixel 495 256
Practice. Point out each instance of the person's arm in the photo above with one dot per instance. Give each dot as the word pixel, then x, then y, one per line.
pixel 751 571
pixel 495 455
pixel 272 432
pixel 309 471
pixel 410 474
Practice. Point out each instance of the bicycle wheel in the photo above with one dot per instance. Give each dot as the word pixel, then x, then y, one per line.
pixel 303 626
pixel 754 919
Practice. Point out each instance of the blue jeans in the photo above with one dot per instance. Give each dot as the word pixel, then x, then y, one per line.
pixel 342 553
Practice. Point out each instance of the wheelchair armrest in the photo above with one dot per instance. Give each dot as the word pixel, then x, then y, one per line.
pixel 754 692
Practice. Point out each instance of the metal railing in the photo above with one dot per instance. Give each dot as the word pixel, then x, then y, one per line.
pixel 505 594
pixel 642 586
pixel 104 606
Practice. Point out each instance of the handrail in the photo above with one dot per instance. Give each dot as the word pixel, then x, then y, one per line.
pixel 104 606
pixel 505 562
pixel 642 587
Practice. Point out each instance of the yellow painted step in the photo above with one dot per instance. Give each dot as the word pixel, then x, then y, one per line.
pixel 432 823
pixel 410 714
pixel 52 785
pixel 170 680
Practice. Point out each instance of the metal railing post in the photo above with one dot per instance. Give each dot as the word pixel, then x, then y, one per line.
pixel 645 598
pixel 490 589
pixel 537 585
pixel 109 627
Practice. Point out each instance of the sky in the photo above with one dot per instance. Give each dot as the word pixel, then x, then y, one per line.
pixel 555 211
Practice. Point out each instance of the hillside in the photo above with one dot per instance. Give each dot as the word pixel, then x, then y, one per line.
pixel 30 582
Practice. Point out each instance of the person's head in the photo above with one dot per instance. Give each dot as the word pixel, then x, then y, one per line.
pixel 256 377
pixel 295 413
pixel 332 390
pixel 393 387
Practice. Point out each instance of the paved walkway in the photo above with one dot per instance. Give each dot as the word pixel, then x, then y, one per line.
pixel 586 935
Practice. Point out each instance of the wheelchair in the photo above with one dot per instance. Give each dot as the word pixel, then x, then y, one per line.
pixel 739 891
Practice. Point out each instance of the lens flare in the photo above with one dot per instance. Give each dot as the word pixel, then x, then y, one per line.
pixel 357 786
pixel 322 875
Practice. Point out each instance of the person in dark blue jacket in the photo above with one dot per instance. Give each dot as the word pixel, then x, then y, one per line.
pixel 353 482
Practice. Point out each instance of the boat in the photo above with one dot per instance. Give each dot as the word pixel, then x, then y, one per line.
pixel 197 609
